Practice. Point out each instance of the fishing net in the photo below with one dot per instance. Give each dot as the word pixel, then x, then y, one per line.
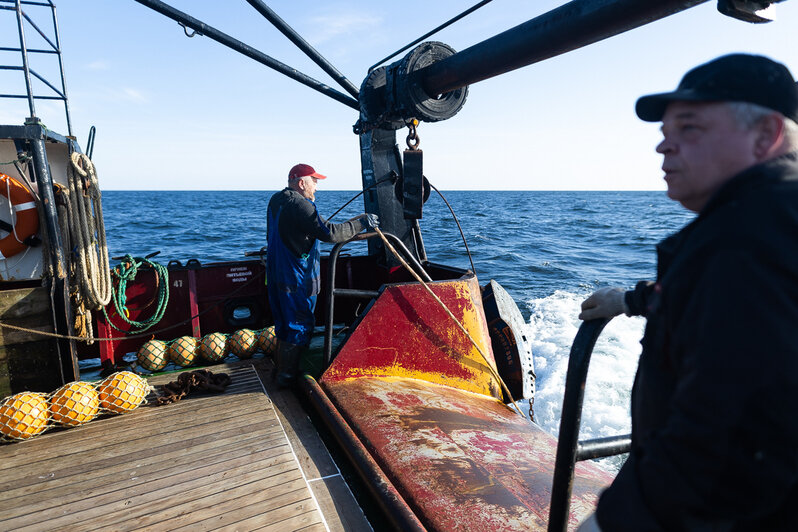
pixel 122 392
pixel 213 347
pixel 23 415
pixel 267 340
pixel 74 404
pixel 242 343
pixel 183 351
pixel 27 414
pixel 152 355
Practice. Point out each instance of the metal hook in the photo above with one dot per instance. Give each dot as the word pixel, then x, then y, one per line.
pixel 413 139
pixel 185 30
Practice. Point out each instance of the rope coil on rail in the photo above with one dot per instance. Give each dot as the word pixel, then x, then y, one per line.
pixel 86 229
pixel 126 272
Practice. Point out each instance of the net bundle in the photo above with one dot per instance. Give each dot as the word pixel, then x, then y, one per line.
pixel 28 414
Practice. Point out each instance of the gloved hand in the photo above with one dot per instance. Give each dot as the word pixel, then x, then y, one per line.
pixel 604 303
pixel 371 221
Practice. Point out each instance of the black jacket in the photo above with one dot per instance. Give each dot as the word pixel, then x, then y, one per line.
pixel 301 225
pixel 715 399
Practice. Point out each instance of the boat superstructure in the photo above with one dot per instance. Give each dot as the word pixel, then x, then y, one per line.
pixel 420 365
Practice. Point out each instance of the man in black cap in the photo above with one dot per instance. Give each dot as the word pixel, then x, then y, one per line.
pixel 294 229
pixel 715 398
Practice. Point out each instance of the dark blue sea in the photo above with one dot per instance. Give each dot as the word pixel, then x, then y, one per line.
pixel 548 249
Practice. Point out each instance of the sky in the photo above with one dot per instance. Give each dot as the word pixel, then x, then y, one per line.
pixel 178 113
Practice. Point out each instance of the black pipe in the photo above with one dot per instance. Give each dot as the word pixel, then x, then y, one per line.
pixel 571 419
pixel 602 447
pixel 393 505
pixel 570 26
pixel 245 49
pixel 303 45
pixel 347 292
pixel 59 288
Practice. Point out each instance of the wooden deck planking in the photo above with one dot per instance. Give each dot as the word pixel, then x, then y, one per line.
pixel 147 460
pixel 207 462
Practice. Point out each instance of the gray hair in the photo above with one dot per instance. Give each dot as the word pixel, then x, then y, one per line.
pixel 748 114
pixel 295 180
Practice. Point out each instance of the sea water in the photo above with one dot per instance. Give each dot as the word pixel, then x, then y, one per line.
pixel 549 250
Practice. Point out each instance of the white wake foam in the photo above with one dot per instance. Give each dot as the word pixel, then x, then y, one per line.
pixel 552 327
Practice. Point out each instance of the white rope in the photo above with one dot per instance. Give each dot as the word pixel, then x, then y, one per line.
pixel 87 228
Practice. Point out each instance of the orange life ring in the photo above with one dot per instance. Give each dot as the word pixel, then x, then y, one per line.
pixel 27 216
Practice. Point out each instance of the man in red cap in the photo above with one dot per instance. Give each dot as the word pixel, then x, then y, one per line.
pixel 715 398
pixel 294 229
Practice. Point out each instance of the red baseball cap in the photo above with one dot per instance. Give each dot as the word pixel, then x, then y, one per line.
pixel 302 170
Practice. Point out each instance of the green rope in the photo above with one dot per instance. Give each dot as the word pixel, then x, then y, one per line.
pixel 22 159
pixel 126 272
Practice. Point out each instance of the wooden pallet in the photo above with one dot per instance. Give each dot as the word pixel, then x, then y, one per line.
pixel 216 462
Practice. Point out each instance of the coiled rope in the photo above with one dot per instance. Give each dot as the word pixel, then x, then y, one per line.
pixel 87 232
pixel 493 372
pixel 126 272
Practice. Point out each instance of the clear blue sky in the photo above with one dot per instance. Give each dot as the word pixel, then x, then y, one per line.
pixel 179 113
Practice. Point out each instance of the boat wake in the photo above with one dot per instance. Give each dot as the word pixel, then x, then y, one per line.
pixel 552 326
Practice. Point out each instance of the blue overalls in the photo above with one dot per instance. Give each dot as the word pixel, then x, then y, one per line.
pixel 292 284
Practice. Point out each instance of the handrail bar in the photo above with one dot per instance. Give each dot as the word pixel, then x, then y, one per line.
pixel 568 445
pixel 336 250
pixel 603 447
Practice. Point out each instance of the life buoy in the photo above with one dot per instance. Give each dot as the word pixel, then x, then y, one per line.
pixel 27 216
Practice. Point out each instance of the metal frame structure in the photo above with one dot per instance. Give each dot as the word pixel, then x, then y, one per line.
pixel 364 294
pixel 55 48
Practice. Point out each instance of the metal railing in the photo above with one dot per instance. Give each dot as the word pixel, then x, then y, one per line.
pixel 54 47
pixel 569 449
pixel 363 294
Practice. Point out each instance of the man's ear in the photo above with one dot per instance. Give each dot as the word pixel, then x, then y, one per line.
pixel 770 137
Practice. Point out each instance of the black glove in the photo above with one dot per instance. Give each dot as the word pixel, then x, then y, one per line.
pixel 371 221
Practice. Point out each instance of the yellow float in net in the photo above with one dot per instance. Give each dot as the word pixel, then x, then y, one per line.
pixel 152 355
pixel 74 404
pixel 267 340
pixel 183 351
pixel 122 392
pixel 213 347
pixel 242 343
pixel 23 415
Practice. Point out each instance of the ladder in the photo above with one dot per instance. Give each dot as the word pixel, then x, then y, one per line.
pixel 53 47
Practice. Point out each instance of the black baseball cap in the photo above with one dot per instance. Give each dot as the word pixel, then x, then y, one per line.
pixel 730 78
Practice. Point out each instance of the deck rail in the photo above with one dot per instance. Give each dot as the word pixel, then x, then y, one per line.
pixel 569 449
pixel 366 294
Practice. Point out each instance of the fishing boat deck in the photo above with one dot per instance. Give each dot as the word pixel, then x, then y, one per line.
pixel 247 459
